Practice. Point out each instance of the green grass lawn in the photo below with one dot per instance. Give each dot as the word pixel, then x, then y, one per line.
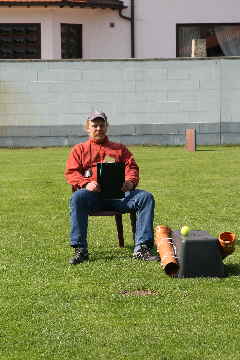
pixel 51 310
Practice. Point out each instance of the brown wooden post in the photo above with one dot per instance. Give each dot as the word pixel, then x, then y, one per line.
pixel 190 143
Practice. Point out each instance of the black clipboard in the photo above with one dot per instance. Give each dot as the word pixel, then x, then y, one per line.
pixel 111 177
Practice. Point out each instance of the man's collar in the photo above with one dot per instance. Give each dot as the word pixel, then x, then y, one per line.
pixel 94 141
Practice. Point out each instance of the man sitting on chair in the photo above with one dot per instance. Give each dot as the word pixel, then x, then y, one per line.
pixel 81 173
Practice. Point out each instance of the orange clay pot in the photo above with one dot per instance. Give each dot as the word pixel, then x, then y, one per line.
pixel 164 245
pixel 226 241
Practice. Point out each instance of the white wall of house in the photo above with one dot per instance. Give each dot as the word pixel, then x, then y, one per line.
pixel 155 26
pixel 156 20
pixel 99 39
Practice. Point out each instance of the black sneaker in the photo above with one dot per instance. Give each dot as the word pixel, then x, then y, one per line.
pixel 145 254
pixel 80 256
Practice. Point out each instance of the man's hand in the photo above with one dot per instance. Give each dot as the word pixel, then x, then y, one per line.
pixel 93 186
pixel 127 186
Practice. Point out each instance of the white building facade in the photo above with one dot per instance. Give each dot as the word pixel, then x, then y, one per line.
pixel 161 26
pixel 97 29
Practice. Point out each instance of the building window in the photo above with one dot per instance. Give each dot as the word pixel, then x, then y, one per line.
pixel 71 41
pixel 20 41
pixel 221 39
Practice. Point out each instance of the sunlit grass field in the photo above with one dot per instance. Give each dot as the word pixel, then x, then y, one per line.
pixel 96 310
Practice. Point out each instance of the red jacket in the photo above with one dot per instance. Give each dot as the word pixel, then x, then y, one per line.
pixel 85 156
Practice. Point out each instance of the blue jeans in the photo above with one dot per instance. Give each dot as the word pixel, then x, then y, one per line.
pixel 84 202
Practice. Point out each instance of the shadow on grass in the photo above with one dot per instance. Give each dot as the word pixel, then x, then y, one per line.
pixel 205 149
pixel 112 257
pixel 125 253
pixel 232 269
pixel 109 256
pixel 128 246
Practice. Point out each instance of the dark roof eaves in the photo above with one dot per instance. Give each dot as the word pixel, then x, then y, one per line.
pixel 62 4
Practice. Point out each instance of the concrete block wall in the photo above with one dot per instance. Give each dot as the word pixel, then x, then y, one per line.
pixel 151 101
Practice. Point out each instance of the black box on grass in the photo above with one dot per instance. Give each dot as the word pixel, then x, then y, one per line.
pixel 198 255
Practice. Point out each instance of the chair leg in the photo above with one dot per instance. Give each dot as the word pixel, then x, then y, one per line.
pixel 119 224
pixel 133 224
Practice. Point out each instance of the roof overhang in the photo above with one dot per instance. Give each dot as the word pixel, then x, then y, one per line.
pixel 102 4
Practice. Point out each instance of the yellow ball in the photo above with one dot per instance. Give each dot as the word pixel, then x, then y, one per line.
pixel 185 230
